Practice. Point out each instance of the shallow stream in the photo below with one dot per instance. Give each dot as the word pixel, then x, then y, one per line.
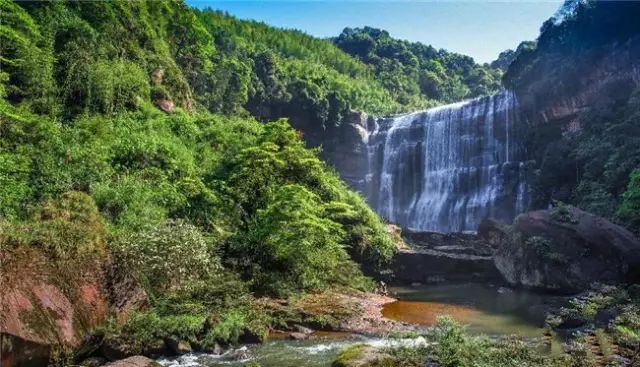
pixel 484 309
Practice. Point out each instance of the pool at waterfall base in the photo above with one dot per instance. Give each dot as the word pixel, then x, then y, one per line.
pixel 484 309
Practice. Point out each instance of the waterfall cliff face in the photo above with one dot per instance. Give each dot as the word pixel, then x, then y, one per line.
pixel 447 168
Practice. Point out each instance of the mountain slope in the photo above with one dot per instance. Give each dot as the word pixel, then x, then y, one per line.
pixel 579 86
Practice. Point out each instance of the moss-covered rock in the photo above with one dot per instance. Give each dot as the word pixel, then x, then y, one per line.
pixel 178 346
pixel 361 355
pixel 57 291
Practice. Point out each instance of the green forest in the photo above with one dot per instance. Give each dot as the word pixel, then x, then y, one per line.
pixel 414 73
pixel 203 204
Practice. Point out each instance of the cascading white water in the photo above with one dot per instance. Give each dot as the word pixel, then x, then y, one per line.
pixel 447 168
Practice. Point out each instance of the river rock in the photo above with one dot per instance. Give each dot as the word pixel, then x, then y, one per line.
pixel 178 346
pixel 564 249
pixel 302 329
pixel 45 305
pixel 155 349
pixel 432 257
pixel 93 362
pixel 249 336
pixel 298 336
pixel 361 355
pixel 90 344
pixel 135 361
pixel 116 349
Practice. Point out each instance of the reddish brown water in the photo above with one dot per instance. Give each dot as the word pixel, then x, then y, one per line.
pixel 484 309
pixel 426 313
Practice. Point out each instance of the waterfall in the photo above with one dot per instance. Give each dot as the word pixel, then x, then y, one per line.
pixel 447 168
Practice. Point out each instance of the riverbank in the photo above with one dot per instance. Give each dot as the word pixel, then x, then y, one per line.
pixel 340 311
pixel 373 324
pixel 598 327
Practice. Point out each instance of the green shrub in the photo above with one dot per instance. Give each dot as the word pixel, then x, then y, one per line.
pixel 168 255
pixel 627 326
pixel 291 245
pixel 130 202
pixel 144 328
pixel 348 355
pixel 159 92
pixel 116 86
pixel 630 208
pixel 543 248
pixel 228 329
pixel 68 229
pixel 256 180
pixel 454 348
pixel 27 66
pixel 562 213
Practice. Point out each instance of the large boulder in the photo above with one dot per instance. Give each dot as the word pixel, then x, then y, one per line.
pixel 563 249
pixel 44 305
pixel 55 290
pixel 432 257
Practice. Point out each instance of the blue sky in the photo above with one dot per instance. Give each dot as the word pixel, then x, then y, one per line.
pixel 477 28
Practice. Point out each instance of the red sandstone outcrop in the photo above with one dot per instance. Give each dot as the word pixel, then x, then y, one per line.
pixel 48 305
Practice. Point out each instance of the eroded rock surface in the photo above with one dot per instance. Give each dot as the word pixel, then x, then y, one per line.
pixel 43 306
pixel 564 249
pixel 433 257
pixel 46 304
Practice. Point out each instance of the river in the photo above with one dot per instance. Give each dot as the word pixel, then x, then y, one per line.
pixel 485 309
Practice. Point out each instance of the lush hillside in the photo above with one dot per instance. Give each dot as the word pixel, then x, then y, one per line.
pixel 578 53
pixel 128 132
pixel 577 35
pixel 66 59
pixel 414 73
pixel 204 211
pixel 167 50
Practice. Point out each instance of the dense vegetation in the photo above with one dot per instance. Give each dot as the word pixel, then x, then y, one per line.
pixel 415 73
pixel 591 166
pixel 134 130
pixel 569 42
pixel 584 310
pixel 65 59
pixel 70 58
